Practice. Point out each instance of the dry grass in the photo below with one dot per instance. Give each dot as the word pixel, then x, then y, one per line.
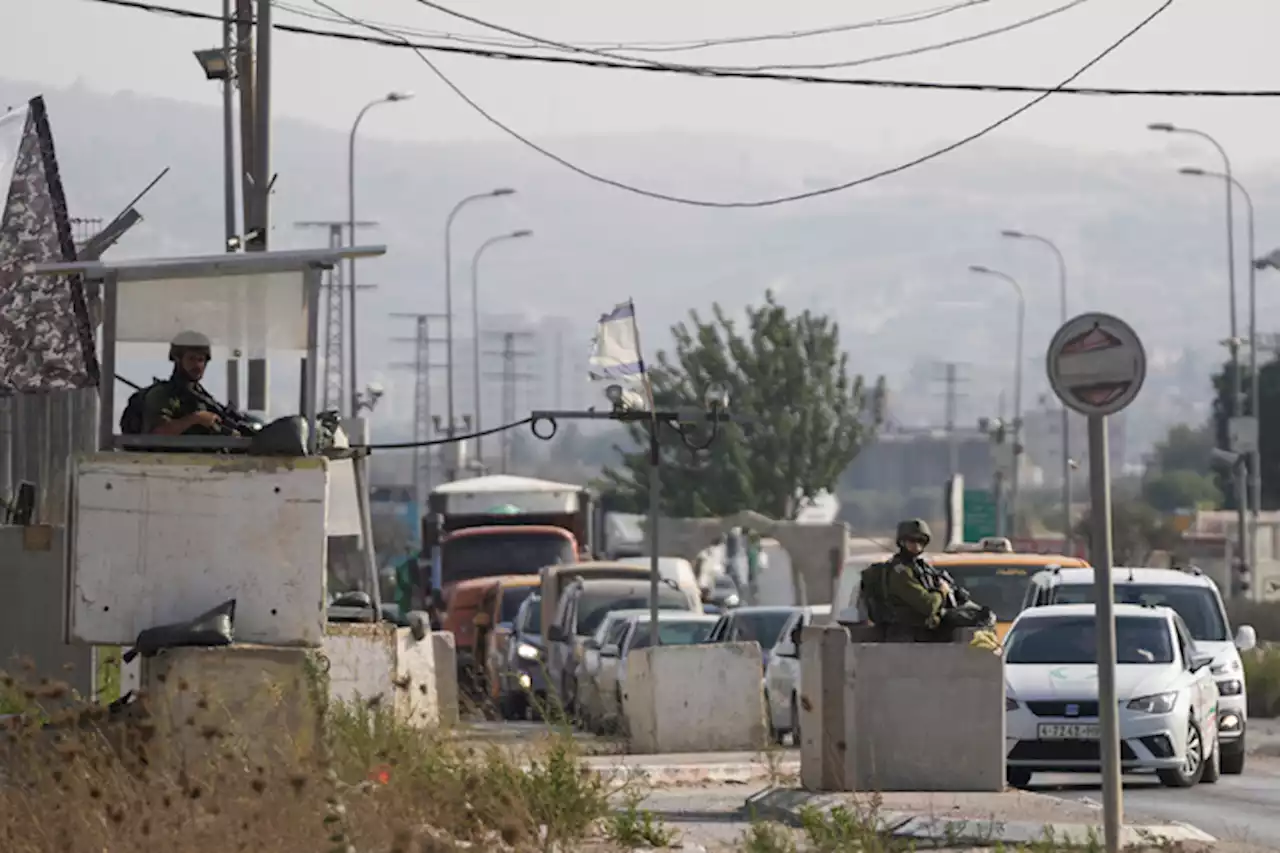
pixel 74 779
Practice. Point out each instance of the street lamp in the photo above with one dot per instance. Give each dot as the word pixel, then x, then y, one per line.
pixel 389 98
pixel 1017 381
pixel 1066 423
pixel 1165 127
pixel 1254 455
pixel 448 286
pixel 475 324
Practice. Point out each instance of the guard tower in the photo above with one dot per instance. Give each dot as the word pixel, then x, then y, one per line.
pixel 161 529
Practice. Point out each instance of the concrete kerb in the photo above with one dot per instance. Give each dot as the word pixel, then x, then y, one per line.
pixel 674 771
pixel 788 806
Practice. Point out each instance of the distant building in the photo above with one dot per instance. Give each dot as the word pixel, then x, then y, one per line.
pixel 1042 443
pixel 903 460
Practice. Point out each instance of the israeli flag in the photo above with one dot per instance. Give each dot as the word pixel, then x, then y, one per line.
pixel 615 351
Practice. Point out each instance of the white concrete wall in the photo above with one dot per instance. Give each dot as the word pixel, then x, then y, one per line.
pixel 446 674
pixel 163 537
pixel 367 661
pixel 923 717
pixel 695 698
pixel 823 741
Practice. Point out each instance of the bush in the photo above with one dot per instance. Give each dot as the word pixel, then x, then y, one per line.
pixel 93 781
pixel 1262 681
pixel 1264 616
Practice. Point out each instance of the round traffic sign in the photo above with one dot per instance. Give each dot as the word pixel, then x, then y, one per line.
pixel 1096 364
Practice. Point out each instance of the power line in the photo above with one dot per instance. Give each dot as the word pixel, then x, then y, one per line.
pixel 667 46
pixel 535 40
pixel 771 202
pixel 705 72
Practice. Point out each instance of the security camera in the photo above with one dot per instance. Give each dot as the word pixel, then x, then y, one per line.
pixel 717 396
pixel 374 390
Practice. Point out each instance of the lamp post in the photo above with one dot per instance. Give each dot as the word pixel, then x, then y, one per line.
pixel 1066 422
pixel 1017 384
pixel 1233 342
pixel 448 287
pixel 216 63
pixel 475 325
pixel 389 98
pixel 1255 469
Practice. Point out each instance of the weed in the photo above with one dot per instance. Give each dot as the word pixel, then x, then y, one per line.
pixel 633 826
pixel 766 837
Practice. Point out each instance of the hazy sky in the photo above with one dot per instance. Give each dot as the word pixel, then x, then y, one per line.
pixel 1195 43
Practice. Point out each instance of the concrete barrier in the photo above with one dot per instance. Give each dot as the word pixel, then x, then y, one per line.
pixel 823 741
pixel 695 698
pixel 445 655
pixel 923 717
pixel 380 660
pixel 266 700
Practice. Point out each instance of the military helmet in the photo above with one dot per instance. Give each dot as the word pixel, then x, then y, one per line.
pixel 189 341
pixel 913 528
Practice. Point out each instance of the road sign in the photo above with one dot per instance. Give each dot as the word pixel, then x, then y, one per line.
pixel 979 515
pixel 1242 434
pixel 1096 364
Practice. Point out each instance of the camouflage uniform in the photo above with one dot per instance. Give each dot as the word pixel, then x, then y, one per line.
pixel 169 401
pixel 899 596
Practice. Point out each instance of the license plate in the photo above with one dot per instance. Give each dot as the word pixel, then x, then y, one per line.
pixel 1067 731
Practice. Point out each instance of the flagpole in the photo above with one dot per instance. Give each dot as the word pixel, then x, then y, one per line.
pixel 655 484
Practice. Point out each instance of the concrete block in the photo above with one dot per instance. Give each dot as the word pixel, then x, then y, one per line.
pixel 822 714
pixel 924 717
pixel 695 698
pixel 380 661
pixel 445 656
pixel 265 701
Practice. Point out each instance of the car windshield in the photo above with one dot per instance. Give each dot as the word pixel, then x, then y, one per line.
pixel 485 555
pixel 512 598
pixel 1072 640
pixel 533 617
pixel 596 604
pixel 763 627
pixel 1197 605
pixel 671 633
pixel 1000 587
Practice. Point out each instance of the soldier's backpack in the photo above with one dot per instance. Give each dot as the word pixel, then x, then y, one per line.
pixel 873 593
pixel 131 417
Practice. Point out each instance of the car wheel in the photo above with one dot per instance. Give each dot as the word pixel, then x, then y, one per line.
pixel 1193 761
pixel 1017 777
pixel 1233 758
pixel 1212 766
pixel 795 721
pixel 513 706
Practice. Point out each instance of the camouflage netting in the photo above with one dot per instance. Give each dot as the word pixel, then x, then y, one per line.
pixel 46 341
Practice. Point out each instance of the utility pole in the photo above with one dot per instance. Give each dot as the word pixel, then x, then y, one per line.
pixel 559 393
pixel 333 385
pixel 951 377
pixel 510 377
pixel 421 367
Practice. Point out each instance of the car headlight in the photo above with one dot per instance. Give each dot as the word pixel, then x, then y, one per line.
pixel 1159 703
pixel 1224 668
pixel 527 652
pixel 731 600
pixel 1232 687
pixel 1010 704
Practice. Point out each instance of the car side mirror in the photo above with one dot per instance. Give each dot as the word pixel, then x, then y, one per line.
pixel 609 650
pixel 795 635
pixel 556 634
pixel 1199 662
pixel 1246 638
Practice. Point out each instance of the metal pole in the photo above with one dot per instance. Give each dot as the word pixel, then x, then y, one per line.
pixel 1066 419
pixel 354 402
pixel 228 132
pixel 655 495
pixel 244 76
pixel 1017 412
pixel 420 378
pixel 475 345
pixel 262 125
pixel 1254 465
pixel 998 489
pixel 1108 715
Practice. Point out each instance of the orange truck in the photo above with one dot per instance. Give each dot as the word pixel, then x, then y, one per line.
pixel 503 525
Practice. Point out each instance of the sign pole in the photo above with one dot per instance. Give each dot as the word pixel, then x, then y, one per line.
pixel 1097 366
pixel 1100 557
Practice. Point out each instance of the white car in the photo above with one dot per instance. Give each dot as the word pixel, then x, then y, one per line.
pixel 1196 599
pixel 1166 690
pixel 593 670
pixel 782 674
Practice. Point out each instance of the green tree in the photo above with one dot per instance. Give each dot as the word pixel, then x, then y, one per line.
pixel 1136 531
pixel 1269 438
pixel 787 374
pixel 1185 448
pixel 1172 490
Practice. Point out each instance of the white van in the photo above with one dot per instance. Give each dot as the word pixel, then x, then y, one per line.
pixel 1196 599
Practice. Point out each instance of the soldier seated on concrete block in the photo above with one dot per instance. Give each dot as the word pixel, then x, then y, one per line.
pixel 908 600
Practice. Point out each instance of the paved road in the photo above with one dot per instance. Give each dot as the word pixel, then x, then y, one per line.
pixel 1237 808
